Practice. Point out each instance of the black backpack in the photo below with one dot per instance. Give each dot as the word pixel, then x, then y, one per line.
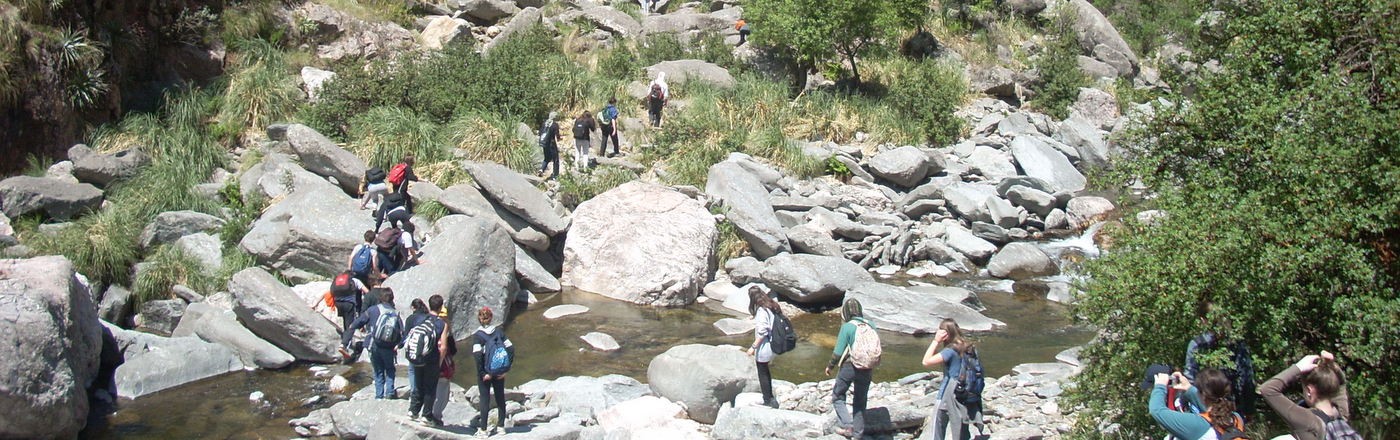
pixel 1337 428
pixel 375 175
pixel 781 336
pixel 580 129
pixel 421 342
pixel 971 379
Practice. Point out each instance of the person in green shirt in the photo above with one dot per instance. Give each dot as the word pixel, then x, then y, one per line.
pixel 850 424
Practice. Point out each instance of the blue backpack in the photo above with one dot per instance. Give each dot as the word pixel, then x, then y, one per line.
pixel 970 379
pixel 498 357
pixel 361 262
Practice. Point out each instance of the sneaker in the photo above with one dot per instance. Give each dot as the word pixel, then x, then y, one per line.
pixel 412 416
pixel 434 422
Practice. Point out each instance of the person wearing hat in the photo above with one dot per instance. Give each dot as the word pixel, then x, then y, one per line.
pixel 549 142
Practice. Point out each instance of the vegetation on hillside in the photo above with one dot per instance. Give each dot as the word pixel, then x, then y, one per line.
pixel 1278 177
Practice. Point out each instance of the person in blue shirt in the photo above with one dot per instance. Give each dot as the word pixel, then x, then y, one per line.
pixel 947 349
pixel 607 125
pixel 1213 395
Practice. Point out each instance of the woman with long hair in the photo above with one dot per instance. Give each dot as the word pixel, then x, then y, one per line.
pixel 1324 389
pixel 1212 391
pixel 764 309
pixel 947 349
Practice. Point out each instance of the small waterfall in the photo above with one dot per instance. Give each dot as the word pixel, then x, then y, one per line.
pixel 1082 245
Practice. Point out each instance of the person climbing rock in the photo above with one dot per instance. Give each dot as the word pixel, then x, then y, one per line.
pixel 743 27
pixel 658 93
pixel 583 135
pixel 398 178
pixel 423 347
pixel 549 142
pixel 385 330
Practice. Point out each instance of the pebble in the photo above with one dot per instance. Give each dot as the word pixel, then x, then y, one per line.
pixel 256 396
pixel 339 384
pixel 561 311
pixel 312 400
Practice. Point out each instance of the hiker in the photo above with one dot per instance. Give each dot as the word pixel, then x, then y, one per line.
pixel 1241 374
pixel 549 142
pixel 743 27
pixel 857 353
pixel 1324 391
pixel 408 247
pixel 950 350
pixel 449 366
pixel 765 311
pixel 348 292
pixel 395 210
pixel 493 353
pixel 1213 395
pixel 388 244
pixel 608 128
pixel 583 134
pixel 423 345
pixel 373 187
pixel 398 178
pixel 385 330
pixel 658 93
pixel 364 262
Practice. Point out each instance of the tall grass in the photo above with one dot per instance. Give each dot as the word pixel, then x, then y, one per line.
pixel 576 188
pixel 165 268
pixel 261 89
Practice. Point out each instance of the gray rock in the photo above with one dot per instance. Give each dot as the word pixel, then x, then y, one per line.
pixel 1001 213
pixel 687 25
pixel 162 316
pixel 996 81
pixel 221 326
pixel 733 326
pixel 585 395
pixel 955 295
pixel 660 257
pixel 990 163
pixel 563 310
pixel 473 265
pixel 58 199
pixel 155 363
pixel 1095 68
pixel 1085 210
pixel 810 240
pixel 937 251
pixel 1018 433
pixel 921 208
pixel 702 377
pixel 751 422
pixel 350 37
pixel 1041 160
pixel 170 226
pixel 50 342
pixel 323 157
pixel 680 72
pixel 1098 36
pixel 969 200
pixel 207 249
pixel 606 18
pixel 1020 261
pixel 353 419
pixel 307 235
pixel 812 279
pixel 747 207
pixel 600 341
pixel 515 193
pixel 897 309
pixel 466 199
pixel 1057 219
pixel 488 10
pixel 744 270
pixel 1028 8
pixel 445 31
pixel 527 18
pixel 1034 200
pixel 829 222
pixel 963 241
pixel 103 169
pixel 533 276
pixel 312 79
pixel 894 418
pixel 1097 107
pixel 1017 124
pixel 115 305
pixel 535 416
pixel 995 234
pixel 904 166
pixel 1029 182
pixel 275 313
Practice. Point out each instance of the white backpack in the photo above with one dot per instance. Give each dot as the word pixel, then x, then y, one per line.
pixel 865 351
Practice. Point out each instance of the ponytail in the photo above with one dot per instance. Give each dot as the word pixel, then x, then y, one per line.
pixel 1215 392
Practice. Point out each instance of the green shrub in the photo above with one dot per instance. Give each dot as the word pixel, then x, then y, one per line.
pixel 619 63
pixel 383 135
pixel 925 94
pixel 430 209
pixel 102 245
pixel 1059 68
pixel 166 267
pixel 258 94
pixel 729 245
pixel 575 188
pixel 660 47
pixel 1147 25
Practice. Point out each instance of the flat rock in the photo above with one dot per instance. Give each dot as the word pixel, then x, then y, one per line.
pixel 155 363
pixel 897 309
pixel 1041 160
pixel 683 71
pixel 514 192
pixel 273 312
pixel 103 169
pixel 585 396
pixel 563 310
pixel 649 417
pixel 812 279
pixel 221 326
pixel 56 198
pixel 600 341
pixel 732 326
pixel 702 377
pixel 170 226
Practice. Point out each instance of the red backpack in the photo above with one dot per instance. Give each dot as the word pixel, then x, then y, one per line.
pixel 397 174
pixel 343 285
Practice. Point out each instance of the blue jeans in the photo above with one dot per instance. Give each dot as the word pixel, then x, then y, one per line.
pixel 382 360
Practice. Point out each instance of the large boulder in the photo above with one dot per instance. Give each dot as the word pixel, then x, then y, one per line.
pixel 687 24
pixel 1097 107
pixel 649 417
pixel 1041 160
pixel 307 235
pixel 467 199
pixel 312 79
pixel 50 341
pixel 897 309
pixel 747 207
pixel 533 276
pixel 966 243
pixel 750 422
pixel 606 18
pixel 488 11
pixel 585 396
pixel 473 265
pixel 57 198
pixel 320 155
pixel 275 313
pixel 161 316
pixel 812 279
pixel 1098 37
pixel 1034 200
pixel 154 363
pixel 1079 133
pixel 207 250
pixel 103 169
pixel 221 326
pixel 526 19
pixel 809 239
pixel 702 377
pixel 443 31
pixel 990 163
pixel 642 243
pixel 170 226
pixel 969 200
pixel 513 192
pixel 684 71
pixel 1085 210
pixel 904 166
pixel 1021 260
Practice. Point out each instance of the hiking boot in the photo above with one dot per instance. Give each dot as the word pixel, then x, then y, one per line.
pixel 434 422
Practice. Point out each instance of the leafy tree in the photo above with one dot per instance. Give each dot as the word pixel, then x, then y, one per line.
pixel 1059 67
pixel 1278 178
pixel 812 31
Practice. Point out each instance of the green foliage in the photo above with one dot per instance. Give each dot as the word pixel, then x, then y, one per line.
pixel 261 91
pixel 165 268
pixel 430 209
pixel 576 188
pixel 927 93
pixel 1278 176
pixel 837 168
pixel 817 30
pixel 1147 25
pixel 383 135
pixel 619 63
pixel 37 166
pixel 730 245
pixel 251 19
pixel 1059 69
pixel 660 47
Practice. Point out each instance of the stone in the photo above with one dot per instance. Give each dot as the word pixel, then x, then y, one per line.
pixel 750 422
pixel 103 169
pixel 155 363
pixel 747 206
pixel 1057 219
pixel 312 79
pixel 308 234
pixel 349 37
pixel 585 396
pixel 1096 107
pixel 515 193
pixel 1005 185
pixel 353 419
pixel 535 416
pixel 275 313
pixel 702 377
pixel 1041 160
pixel 1096 69
pixel 997 235
pixel 963 241
pixel 1098 36
pixel 444 31
pixel 563 310
pixel 680 72
pixel 1085 210
pixel 161 316
pixel 606 18
pixel 1034 200
pixel 221 327
pixel 649 417
pixel 466 199
pixel 1002 214
pixel 744 270
pixel 533 276
pixel 687 25
pixel 473 265
pixel 170 226
pixel 812 279
pixel 1078 133
pixel 50 348
pixel 1028 8
pixel 920 208
pixel 810 240
pixel 116 304
pixel 733 326
pixel 1018 433
pixel 1021 260
pixel 323 157
pixel 642 243
pixel 527 18
pixel 896 309
pixel 996 81
pixel 904 166
pixel 56 198
pixel 488 10
pixel 206 249
pixel 969 200
pixel 600 341
pixel 955 295
pixel 1016 124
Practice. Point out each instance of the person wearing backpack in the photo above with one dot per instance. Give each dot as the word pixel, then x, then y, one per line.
pixel 398 179
pixel 549 142
pixel 348 292
pixel 608 128
pixel 768 322
pixel 373 187
pixel 658 93
pixel 1241 373
pixel 583 139
pixel 449 349
pixel 388 244
pixel 1213 394
pixel 385 332
pixel 394 210
pixel 956 355
pixel 423 347
pixel 494 354
pixel 364 263
pixel 857 353
pixel 1324 390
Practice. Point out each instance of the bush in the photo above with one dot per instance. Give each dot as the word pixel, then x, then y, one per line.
pixel 169 266
pixel 260 92
pixel 1059 68
pixel 927 93
pixel 619 63
pixel 1147 25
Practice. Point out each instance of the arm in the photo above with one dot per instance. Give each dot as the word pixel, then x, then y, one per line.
pixel 843 341
pixel 361 321
pixel 1179 424
pixel 1191 365
pixel 932 356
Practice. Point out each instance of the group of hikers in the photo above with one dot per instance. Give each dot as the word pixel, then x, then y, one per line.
pixel 606 124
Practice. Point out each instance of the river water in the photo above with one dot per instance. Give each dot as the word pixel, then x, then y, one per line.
pixel 1037 329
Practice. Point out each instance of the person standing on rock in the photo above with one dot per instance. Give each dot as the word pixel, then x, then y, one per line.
pixel 549 142
pixel 743 27
pixel 583 135
pixel 853 354
pixel 449 349
pixel 374 187
pixel 948 349
pixel 765 311
pixel 424 348
pixel 385 331
pixel 486 342
pixel 608 128
pixel 395 210
pixel 364 262
pixel 658 93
